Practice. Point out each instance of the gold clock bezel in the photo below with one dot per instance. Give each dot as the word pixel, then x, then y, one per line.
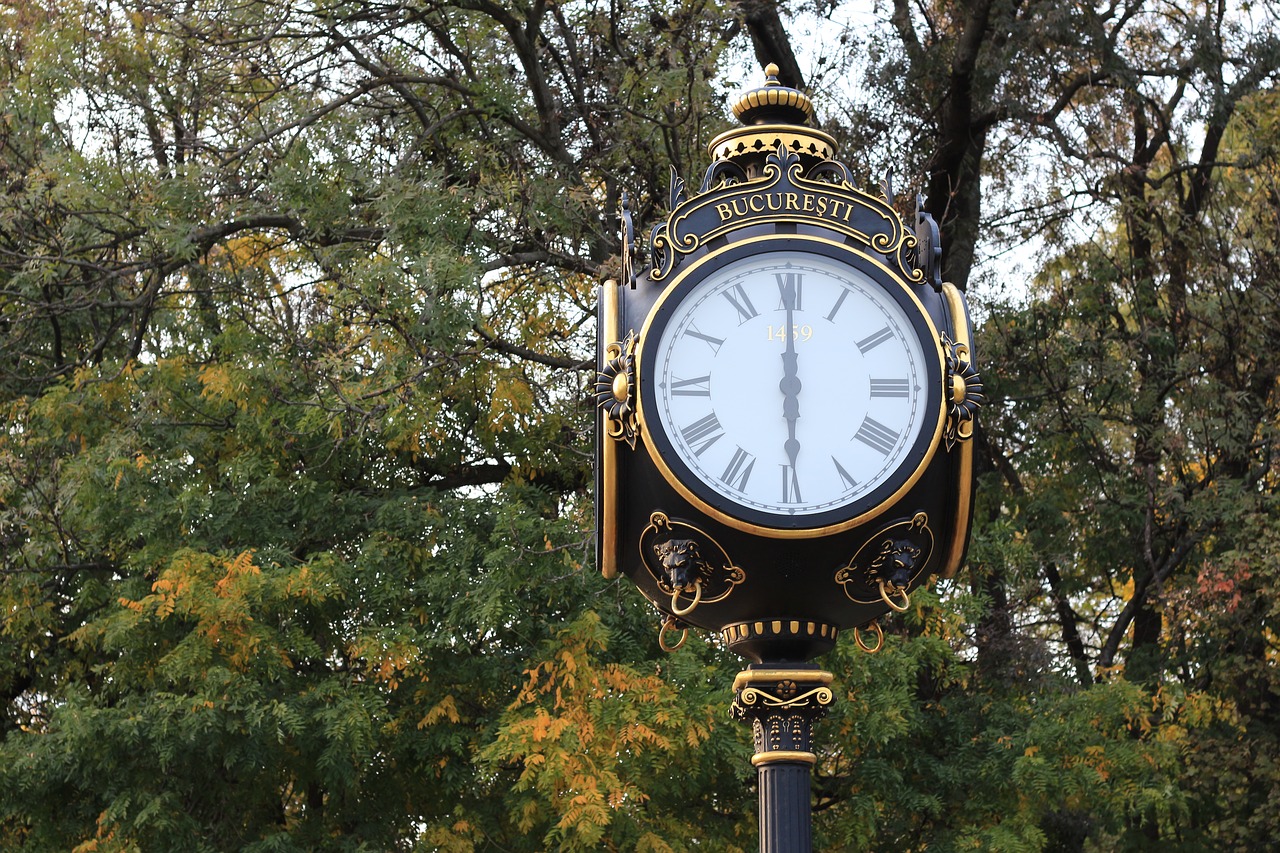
pixel 762 244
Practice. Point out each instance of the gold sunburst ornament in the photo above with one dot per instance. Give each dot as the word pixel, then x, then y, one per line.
pixel 965 393
pixel 615 390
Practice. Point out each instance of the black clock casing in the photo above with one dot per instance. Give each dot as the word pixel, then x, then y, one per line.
pixel 786 399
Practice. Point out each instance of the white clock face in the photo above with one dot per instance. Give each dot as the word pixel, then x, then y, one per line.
pixel 790 385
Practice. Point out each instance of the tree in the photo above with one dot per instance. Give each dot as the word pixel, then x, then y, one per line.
pixel 1130 449
pixel 296 325
pixel 295 332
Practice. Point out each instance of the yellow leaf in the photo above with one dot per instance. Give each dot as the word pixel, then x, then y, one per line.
pixel 446 708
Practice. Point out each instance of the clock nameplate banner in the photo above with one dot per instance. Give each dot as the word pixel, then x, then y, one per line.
pixel 823 198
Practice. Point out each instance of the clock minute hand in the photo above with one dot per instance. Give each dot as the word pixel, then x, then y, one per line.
pixel 790 384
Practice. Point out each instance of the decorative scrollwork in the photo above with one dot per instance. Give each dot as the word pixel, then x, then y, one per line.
pixel 786 696
pixel 721 174
pixel 782 706
pixel 886 187
pixel 661 251
pixel 687 564
pixel 885 566
pixel 615 390
pixel 630 243
pixel 964 392
pixel 675 194
pixel 890 244
pixel 783 191
pixel 831 172
pixel 785 159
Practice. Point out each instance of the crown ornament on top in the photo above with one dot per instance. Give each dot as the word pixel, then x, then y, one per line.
pixel 773 103
pixel 773 117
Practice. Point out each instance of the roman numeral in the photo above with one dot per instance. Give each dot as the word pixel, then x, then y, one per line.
pixel 831 315
pixel 890 388
pixel 697 387
pixel 738 299
pixel 702 433
pixel 714 343
pixel 877 436
pixel 872 341
pixel 790 485
pixel 845 477
pixel 789 290
pixel 738 470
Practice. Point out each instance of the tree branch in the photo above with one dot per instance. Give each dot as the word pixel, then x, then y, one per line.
pixel 527 354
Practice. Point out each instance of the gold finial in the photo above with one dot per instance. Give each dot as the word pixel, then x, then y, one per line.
pixel 774 115
pixel 773 103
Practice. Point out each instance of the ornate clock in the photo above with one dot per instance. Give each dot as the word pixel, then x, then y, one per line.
pixel 786 394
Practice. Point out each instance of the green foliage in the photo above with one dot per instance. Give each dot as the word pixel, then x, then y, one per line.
pixel 292 486
pixel 296 316
pixel 921 747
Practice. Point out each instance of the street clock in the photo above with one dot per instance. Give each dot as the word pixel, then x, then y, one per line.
pixel 786 396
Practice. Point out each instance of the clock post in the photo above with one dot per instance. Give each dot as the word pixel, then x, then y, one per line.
pixel 786 397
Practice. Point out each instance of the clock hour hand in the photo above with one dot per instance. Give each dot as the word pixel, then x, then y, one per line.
pixel 790 384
